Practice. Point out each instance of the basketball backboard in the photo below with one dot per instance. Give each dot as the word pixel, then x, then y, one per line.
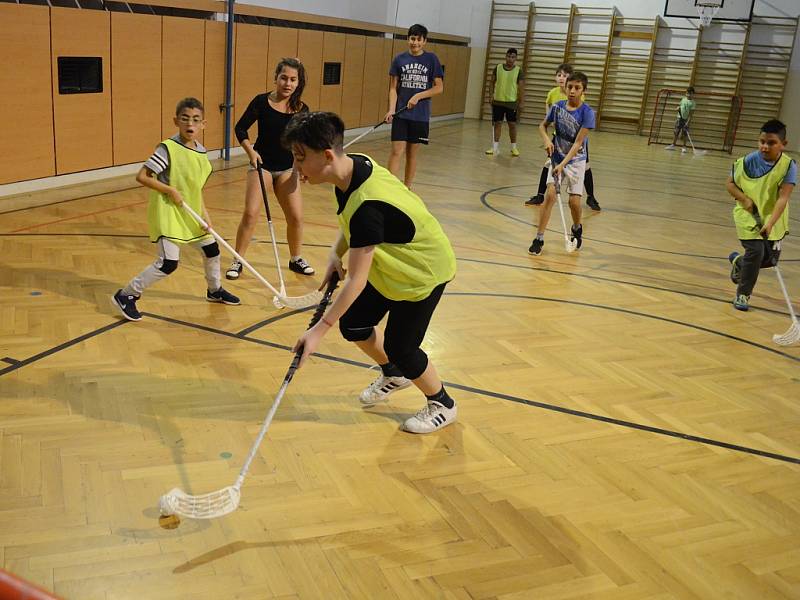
pixel 731 10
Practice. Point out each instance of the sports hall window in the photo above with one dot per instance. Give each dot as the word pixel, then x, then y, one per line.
pixel 332 73
pixel 80 74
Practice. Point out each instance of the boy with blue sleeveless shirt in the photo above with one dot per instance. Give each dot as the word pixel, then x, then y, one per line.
pixel 416 76
pixel 399 261
pixel 761 183
pixel 176 173
pixel 567 151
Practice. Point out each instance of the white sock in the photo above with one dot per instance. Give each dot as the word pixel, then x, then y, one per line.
pixel 495 146
pixel 294 258
pixel 513 145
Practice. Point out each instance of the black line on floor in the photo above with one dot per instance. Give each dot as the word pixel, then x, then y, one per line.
pixel 525 401
pixel 60 347
pixel 9 360
pixel 485 202
pixel 620 281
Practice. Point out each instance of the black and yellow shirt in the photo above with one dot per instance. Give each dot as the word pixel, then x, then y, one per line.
pixel 412 253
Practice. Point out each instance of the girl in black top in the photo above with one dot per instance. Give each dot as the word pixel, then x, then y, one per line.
pixel 273 111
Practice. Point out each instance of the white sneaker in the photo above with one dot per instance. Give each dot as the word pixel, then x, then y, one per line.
pixel 683 150
pixel 434 416
pixel 234 271
pixel 379 390
pixel 670 147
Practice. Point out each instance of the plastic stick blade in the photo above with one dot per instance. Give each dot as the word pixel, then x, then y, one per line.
pixel 792 336
pixel 206 506
pixel 310 299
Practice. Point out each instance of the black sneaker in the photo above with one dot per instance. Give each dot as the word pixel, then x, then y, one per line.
pixel 224 296
pixel 127 306
pixel 536 247
pixel 234 271
pixel 577 235
pixel 592 203
pixel 535 200
pixel 299 265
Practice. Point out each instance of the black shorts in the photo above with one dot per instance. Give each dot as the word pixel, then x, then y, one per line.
pixel 413 132
pixel 407 323
pixel 498 112
pixel 681 125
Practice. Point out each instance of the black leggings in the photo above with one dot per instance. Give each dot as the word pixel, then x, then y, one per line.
pixel 405 328
pixel 758 254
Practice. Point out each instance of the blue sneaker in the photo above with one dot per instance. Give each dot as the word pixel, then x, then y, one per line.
pixel 126 305
pixel 736 267
pixel 741 302
pixel 224 296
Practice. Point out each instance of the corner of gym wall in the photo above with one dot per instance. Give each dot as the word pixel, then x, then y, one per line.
pixel 82 121
pixel 26 138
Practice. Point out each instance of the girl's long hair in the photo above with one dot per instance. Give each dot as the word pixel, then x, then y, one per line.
pixel 295 103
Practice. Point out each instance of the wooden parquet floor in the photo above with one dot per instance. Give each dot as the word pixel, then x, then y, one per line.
pixel 623 432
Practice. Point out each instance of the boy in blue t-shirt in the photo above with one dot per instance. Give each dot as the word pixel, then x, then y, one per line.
pixel 567 151
pixel 416 76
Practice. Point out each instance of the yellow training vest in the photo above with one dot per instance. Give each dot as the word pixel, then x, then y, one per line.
pixel 505 87
pixel 763 191
pixel 188 172
pixel 407 271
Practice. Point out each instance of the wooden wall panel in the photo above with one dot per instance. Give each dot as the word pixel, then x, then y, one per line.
pixel 460 99
pixel 388 57
pixel 373 98
pixel 252 44
pixel 214 85
pixel 330 96
pixel 353 80
pixel 26 137
pixel 82 121
pixel 309 44
pixel 282 44
pixel 447 56
pixel 182 42
pixel 136 85
pixel 436 103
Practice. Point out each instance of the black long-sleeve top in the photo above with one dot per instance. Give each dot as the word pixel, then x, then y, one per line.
pixel 271 124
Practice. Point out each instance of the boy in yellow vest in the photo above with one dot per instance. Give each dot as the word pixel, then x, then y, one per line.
pixel 761 182
pixel 176 173
pixel 556 94
pixel 399 262
pixel 507 82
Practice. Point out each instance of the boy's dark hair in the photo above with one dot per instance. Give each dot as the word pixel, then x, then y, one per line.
pixel 565 68
pixel 295 103
pixel 512 51
pixel 316 130
pixel 419 30
pixel 189 103
pixel 775 126
pixel 579 76
pixel 690 90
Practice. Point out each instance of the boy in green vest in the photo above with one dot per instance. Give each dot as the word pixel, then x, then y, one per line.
pixel 399 263
pixel 176 173
pixel 761 182
pixel 507 82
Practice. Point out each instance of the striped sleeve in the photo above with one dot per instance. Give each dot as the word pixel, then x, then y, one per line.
pixel 159 160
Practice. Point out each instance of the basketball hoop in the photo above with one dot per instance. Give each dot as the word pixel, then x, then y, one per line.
pixel 707 10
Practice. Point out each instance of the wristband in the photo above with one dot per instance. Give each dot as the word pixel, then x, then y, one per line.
pixel 328 323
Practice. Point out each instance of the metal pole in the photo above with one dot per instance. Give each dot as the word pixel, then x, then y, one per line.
pixel 226 148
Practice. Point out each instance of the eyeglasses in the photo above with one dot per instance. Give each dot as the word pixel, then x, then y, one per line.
pixel 186 119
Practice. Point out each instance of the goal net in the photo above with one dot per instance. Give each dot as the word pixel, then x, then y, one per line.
pixel 712 125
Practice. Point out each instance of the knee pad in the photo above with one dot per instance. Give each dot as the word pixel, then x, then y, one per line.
pixel 412 362
pixel 211 250
pixel 168 266
pixel 355 334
